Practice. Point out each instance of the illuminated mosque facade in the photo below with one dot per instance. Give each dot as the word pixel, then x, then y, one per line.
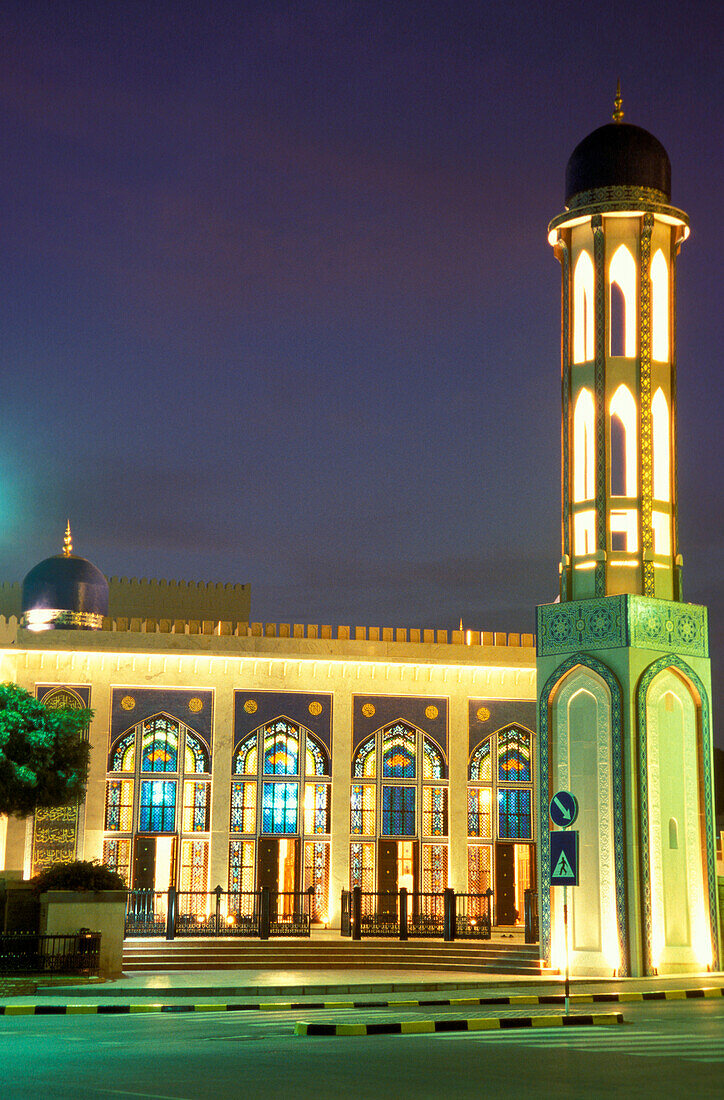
pixel 296 756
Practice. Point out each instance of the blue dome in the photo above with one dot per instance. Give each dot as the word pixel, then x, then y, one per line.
pixel 64 592
pixel 618 155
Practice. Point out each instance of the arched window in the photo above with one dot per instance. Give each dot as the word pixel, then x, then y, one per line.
pixel 583 448
pixel 398 752
pixel 622 297
pixel 583 327
pixel 659 308
pixel 661 446
pixel 365 761
pixel 246 756
pixel 623 443
pixel 155 788
pixel 514 755
pixel 281 749
pixel 432 763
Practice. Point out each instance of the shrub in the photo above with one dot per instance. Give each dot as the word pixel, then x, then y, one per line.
pixel 83 874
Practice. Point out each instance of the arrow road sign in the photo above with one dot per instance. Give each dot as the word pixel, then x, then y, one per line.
pixel 563 809
pixel 564 858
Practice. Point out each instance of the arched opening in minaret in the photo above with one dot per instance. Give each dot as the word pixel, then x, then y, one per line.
pixel 622 300
pixel 583 448
pixel 659 308
pixel 623 443
pixel 661 446
pixel 583 309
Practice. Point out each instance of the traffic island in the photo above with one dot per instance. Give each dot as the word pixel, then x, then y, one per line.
pixel 485 1023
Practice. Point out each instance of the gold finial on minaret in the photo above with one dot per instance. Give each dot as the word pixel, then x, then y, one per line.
pixel 67 541
pixel 617 108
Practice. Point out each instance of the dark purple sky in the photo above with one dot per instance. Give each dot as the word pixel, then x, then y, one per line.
pixel 278 304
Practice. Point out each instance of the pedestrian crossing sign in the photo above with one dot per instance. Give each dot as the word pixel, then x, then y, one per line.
pixel 564 858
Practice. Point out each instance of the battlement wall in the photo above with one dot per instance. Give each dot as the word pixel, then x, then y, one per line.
pixel 325 632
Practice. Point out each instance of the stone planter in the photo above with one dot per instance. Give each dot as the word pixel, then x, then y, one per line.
pixel 104 911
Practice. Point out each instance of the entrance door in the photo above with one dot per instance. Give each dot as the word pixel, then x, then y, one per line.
pixel 279 869
pixel 387 877
pixel 505 911
pixel 144 863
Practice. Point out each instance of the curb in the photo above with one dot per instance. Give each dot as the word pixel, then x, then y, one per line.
pixel 494 1023
pixel 307 1006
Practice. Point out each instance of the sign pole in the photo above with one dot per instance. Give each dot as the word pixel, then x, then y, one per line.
pixel 565 929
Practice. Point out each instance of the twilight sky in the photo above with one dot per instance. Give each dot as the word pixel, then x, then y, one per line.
pixel 279 307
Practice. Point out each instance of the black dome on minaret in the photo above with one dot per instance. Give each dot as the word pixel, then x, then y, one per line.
pixel 618 155
pixel 64 592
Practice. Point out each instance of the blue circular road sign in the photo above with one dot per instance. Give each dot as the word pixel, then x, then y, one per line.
pixel 563 809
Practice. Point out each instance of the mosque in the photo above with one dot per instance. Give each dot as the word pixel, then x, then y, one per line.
pixel 232 752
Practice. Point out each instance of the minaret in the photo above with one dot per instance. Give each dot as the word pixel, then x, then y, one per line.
pixel 623 669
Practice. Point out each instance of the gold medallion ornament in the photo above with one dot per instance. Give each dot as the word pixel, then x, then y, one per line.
pixel 482 714
pixel 251 706
pixel 195 704
pixel 128 702
pixel 315 708
pixel 431 711
pixel 368 710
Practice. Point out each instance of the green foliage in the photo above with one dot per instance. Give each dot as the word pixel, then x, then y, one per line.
pixel 43 754
pixel 83 874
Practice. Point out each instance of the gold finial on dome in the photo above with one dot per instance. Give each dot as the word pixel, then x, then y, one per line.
pixel 617 104
pixel 67 541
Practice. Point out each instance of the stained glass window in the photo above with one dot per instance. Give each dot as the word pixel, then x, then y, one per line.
pixel 479 811
pixel 245 758
pixel 196 760
pixel 195 817
pixel 434 811
pixel 158 806
pixel 160 745
pixel 279 807
pixel 362 816
pixel 316 761
pixel 119 805
pixel 479 863
pixel 124 754
pixel 398 752
pixel 281 749
pixel 316 808
pixel 195 866
pixel 117 856
pixel 433 766
pixel 365 764
pixel 481 770
pixel 243 807
pixel 241 865
pixel 434 868
pixel 362 865
pixel 398 811
pixel 316 875
pixel 514 814
pixel 514 755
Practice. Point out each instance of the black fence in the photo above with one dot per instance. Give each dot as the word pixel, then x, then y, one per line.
pixel 530 910
pixel 258 913
pixel 405 915
pixel 30 953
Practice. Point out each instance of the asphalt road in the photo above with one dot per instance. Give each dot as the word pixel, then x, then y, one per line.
pixel 665 1049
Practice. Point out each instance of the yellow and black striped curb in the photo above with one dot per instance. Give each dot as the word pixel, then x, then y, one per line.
pixel 308 1006
pixel 478 1023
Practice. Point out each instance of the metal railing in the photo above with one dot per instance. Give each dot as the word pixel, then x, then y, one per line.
pixel 416 915
pixel 258 913
pixel 30 953
pixel 530 910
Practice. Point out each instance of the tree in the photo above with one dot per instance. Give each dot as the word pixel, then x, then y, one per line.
pixel 44 756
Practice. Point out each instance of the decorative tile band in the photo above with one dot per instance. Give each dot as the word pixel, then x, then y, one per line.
pixel 641 622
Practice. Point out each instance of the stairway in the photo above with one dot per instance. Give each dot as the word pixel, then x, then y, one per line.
pixel 154 955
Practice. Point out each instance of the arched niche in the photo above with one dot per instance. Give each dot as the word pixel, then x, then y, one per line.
pixel 581 760
pixel 679 933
